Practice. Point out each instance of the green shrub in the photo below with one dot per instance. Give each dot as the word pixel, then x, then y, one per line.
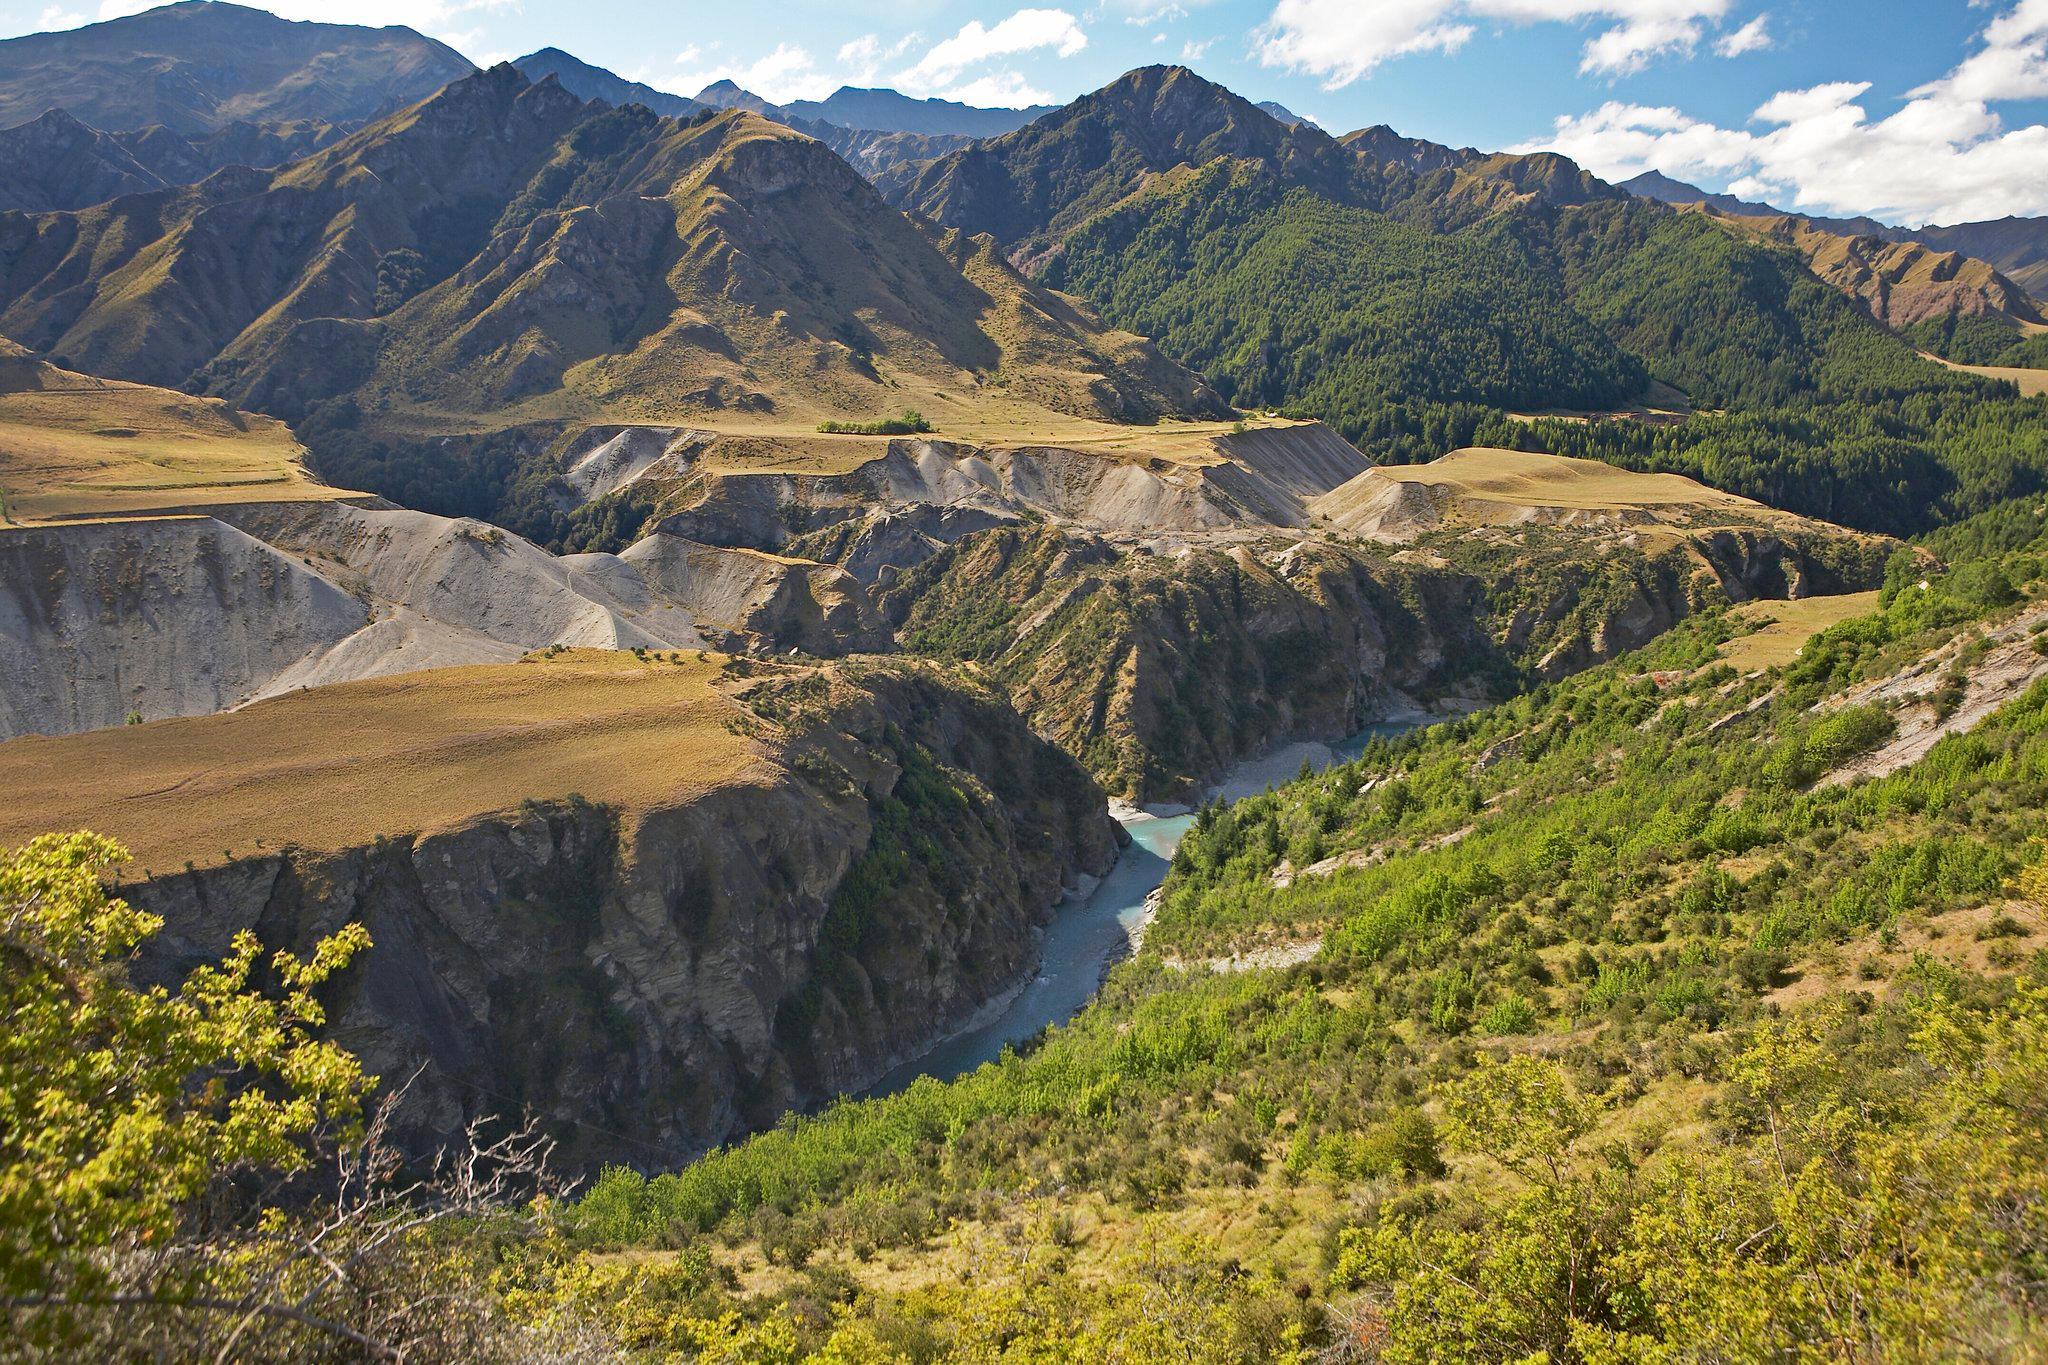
pixel 911 423
pixel 1508 1016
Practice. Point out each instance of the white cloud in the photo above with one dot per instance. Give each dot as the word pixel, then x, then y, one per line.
pixel 863 52
pixel 1629 48
pixel 1342 41
pixel 1028 30
pixel 962 67
pixel 788 73
pixel 865 56
pixel 1944 155
pixel 1754 36
pixel 1000 90
pixel 1192 51
pixel 57 17
pixel 2012 65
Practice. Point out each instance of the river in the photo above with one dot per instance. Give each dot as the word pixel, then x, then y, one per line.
pixel 1088 934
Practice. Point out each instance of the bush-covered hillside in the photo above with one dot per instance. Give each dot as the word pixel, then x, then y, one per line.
pixel 1630 1031
pixel 1980 339
pixel 1285 298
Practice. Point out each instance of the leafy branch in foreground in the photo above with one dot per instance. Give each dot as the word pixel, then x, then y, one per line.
pixel 119 1105
pixel 188 1174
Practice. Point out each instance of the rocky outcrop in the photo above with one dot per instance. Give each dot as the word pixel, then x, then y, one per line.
pixel 185 616
pixel 1165 664
pixel 935 491
pixel 473 578
pixel 1901 282
pixel 1164 670
pixel 651 985
pixel 762 601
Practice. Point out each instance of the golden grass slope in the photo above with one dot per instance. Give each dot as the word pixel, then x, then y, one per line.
pixel 74 446
pixel 736 273
pixel 1781 629
pixel 336 767
pixel 1517 478
pixel 1486 487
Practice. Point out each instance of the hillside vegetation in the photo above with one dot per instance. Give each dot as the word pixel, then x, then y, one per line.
pixel 1287 299
pixel 1625 1031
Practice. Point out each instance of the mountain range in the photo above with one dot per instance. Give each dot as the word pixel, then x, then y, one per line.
pixel 422 283
pixel 602 263
pixel 57 162
pixel 200 65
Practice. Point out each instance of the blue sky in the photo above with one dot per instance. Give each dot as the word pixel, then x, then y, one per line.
pixel 1916 110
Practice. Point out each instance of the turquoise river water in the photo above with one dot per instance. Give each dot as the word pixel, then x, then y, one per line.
pixel 1088 934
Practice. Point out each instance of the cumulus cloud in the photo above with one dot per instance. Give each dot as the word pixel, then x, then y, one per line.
pixel 1945 155
pixel 1629 48
pixel 1341 41
pixel 788 73
pixel 1753 36
pixel 1028 30
pixel 2012 64
pixel 1001 90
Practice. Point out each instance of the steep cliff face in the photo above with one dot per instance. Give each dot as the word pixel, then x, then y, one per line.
pixel 684 970
pixel 1162 670
pixel 1164 665
pixel 761 601
pixel 183 616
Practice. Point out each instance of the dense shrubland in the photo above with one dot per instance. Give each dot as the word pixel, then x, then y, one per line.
pixel 1284 298
pixel 1632 1038
pixel 1417 340
pixel 196 1174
